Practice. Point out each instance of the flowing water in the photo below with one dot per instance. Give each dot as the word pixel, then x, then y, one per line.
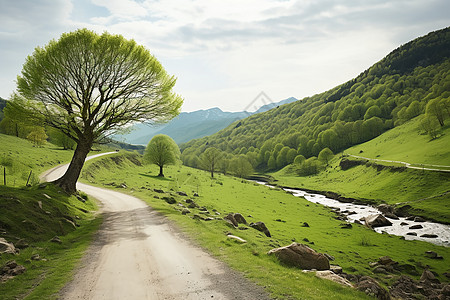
pixel 399 227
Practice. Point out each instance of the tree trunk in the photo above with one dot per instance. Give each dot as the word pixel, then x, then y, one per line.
pixel 69 180
pixel 161 171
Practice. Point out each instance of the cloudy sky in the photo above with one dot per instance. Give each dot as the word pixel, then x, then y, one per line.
pixel 224 53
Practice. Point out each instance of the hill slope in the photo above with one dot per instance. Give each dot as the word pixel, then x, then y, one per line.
pixel 388 94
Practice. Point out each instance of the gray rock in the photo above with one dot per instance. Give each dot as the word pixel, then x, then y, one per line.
pixel 372 288
pixel 329 275
pixel 429 236
pixel 301 256
pixel 416 227
pixel 261 227
pixel 239 218
pixel 377 221
pixel 56 239
pixel 230 219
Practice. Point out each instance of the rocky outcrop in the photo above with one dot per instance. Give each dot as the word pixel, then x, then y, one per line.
pixel 427 288
pixel 261 227
pixel 301 256
pixel 379 220
pixel 239 218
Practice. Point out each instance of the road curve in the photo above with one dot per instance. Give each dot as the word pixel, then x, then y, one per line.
pixel 138 254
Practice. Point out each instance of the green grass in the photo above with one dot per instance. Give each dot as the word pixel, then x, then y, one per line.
pixel 404 143
pixel 19 156
pixel 22 218
pixel 423 190
pixel 353 248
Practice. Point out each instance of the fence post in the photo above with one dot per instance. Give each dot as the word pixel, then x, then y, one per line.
pixel 4 175
pixel 29 177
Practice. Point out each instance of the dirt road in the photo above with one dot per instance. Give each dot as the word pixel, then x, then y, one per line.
pixel 138 254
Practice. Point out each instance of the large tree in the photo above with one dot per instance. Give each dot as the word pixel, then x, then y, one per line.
pixel 210 159
pixel 161 151
pixel 88 86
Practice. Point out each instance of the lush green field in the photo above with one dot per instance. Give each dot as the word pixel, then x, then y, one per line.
pixel 35 215
pixel 19 156
pixel 425 191
pixel 283 214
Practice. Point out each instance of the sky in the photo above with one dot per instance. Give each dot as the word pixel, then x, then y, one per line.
pixel 226 53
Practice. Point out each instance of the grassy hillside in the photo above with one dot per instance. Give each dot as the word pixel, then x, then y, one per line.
pixel 405 143
pixel 31 216
pixel 19 157
pixel 283 214
pixel 422 190
pixel 391 92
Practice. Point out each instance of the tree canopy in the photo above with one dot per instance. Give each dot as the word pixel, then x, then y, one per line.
pixel 210 160
pixel 88 86
pixel 161 151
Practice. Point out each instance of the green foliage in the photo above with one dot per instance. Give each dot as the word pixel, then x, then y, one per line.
pixel 388 94
pixel 325 156
pixel 430 126
pixel 37 136
pixel 240 166
pixel 57 137
pixel 161 151
pixel 310 166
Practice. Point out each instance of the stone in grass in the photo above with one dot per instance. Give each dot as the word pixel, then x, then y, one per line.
pixel 372 288
pixel 6 247
pixel 261 227
pixel 305 224
pixel 56 240
pixel 236 238
pixel 329 275
pixel 230 219
pixel 239 218
pixel 301 256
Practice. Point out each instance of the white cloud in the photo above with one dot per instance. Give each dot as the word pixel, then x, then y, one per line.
pixel 225 52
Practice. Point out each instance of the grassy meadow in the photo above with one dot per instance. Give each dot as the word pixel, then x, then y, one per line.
pixel 282 213
pixel 34 215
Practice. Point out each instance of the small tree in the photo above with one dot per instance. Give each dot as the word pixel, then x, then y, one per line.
pixel 161 151
pixel 37 136
pixel 436 109
pixel 429 125
pixel 325 155
pixel 210 160
pixel 240 166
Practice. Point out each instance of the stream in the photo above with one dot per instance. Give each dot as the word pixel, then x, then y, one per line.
pixel 354 212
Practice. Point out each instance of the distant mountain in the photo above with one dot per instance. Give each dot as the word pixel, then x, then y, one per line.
pixel 191 125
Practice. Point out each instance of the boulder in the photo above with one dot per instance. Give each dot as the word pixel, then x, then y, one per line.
pixel 6 247
pixel 192 205
pixel 10 269
pixel 301 256
pixel 182 194
pixel 385 208
pixel 170 200
pixel 419 219
pixel 403 224
pixel 377 221
pixel 386 260
pixel 412 233
pixel 158 191
pixel 305 224
pixel 404 288
pixel 261 227
pixel 336 269
pixel 239 218
pixel 329 275
pixel 391 216
pixel 402 211
pixel 185 211
pixel 230 219
pixel 372 288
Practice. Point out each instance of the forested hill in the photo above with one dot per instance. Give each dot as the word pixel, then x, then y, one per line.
pixel 411 80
